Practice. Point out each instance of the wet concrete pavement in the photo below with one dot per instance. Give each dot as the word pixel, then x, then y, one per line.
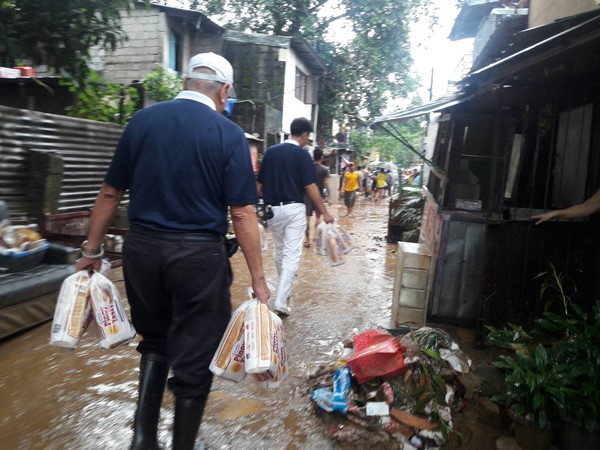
pixel 85 399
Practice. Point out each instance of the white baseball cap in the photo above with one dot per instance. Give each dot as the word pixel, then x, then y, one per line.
pixel 222 67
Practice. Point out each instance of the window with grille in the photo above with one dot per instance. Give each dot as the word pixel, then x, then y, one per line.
pixel 301 85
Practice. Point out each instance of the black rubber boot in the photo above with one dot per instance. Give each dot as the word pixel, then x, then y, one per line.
pixel 154 370
pixel 188 415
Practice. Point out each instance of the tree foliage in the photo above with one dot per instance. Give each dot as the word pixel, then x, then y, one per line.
pixel 60 33
pixel 371 63
pixel 97 99
pixel 366 143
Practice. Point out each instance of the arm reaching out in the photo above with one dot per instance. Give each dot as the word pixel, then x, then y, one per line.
pixel 587 208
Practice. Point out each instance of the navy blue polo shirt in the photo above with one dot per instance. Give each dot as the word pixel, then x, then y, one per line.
pixel 284 172
pixel 183 164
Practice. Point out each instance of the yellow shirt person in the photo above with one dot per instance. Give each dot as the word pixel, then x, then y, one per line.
pixel 351 183
pixel 381 178
pixel 352 179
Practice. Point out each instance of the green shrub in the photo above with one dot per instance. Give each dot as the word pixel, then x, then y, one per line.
pixel 97 99
pixel 161 84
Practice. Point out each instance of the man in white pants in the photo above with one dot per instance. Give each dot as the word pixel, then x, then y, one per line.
pixel 286 173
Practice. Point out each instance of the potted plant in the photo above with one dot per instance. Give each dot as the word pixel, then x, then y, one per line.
pixel 406 209
pixel 559 382
pixel 577 346
pixel 535 387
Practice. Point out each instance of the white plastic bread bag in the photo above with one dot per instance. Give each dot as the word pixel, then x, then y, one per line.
pixel 229 360
pixel 320 239
pixel 279 347
pixel 335 247
pixel 114 327
pixel 343 237
pixel 73 312
pixel 259 354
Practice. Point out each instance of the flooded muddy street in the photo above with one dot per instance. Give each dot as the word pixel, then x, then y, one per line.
pixel 85 399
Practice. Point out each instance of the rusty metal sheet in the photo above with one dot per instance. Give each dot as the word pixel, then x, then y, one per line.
pixel 459 271
pixel 85 146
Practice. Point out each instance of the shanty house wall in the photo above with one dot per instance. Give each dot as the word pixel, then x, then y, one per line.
pixel 542 12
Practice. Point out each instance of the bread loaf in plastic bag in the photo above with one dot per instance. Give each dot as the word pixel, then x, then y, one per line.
pixel 73 312
pixel 114 327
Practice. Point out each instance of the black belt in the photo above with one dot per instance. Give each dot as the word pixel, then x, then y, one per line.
pixel 176 236
pixel 282 203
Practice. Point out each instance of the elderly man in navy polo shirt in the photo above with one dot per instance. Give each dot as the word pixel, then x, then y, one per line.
pixel 286 173
pixel 184 164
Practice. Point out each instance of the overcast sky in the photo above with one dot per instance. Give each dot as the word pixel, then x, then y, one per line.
pixel 431 49
pixel 437 52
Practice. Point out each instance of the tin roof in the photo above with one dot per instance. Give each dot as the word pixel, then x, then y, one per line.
pixel 438 105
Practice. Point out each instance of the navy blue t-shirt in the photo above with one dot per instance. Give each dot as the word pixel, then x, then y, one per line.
pixel 284 172
pixel 183 164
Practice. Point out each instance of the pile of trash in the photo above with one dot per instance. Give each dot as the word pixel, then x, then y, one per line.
pixel 387 389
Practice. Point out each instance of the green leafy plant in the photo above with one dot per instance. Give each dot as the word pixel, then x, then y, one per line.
pixel 536 384
pixel 511 336
pixel 562 379
pixel 97 99
pixel 577 345
pixel 408 212
pixel 556 285
pixel 161 84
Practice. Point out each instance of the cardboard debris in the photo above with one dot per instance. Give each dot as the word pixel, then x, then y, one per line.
pixel 413 421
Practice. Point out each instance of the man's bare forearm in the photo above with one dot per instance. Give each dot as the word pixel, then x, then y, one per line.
pixel 103 213
pixel 245 225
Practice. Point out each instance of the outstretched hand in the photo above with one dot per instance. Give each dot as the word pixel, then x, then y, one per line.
pixel 541 218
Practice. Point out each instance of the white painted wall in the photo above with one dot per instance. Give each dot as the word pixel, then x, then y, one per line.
pixel 292 107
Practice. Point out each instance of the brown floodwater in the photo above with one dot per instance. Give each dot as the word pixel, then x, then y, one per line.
pixel 55 399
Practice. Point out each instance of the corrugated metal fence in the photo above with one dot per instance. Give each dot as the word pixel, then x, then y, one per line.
pixel 85 147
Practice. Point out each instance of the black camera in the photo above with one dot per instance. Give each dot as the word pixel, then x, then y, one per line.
pixel 263 212
pixel 232 246
pixel 268 212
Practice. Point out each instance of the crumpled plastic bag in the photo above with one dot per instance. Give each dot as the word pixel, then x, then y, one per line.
pixel 379 354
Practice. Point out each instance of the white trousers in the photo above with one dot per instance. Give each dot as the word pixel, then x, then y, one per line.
pixel 287 230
